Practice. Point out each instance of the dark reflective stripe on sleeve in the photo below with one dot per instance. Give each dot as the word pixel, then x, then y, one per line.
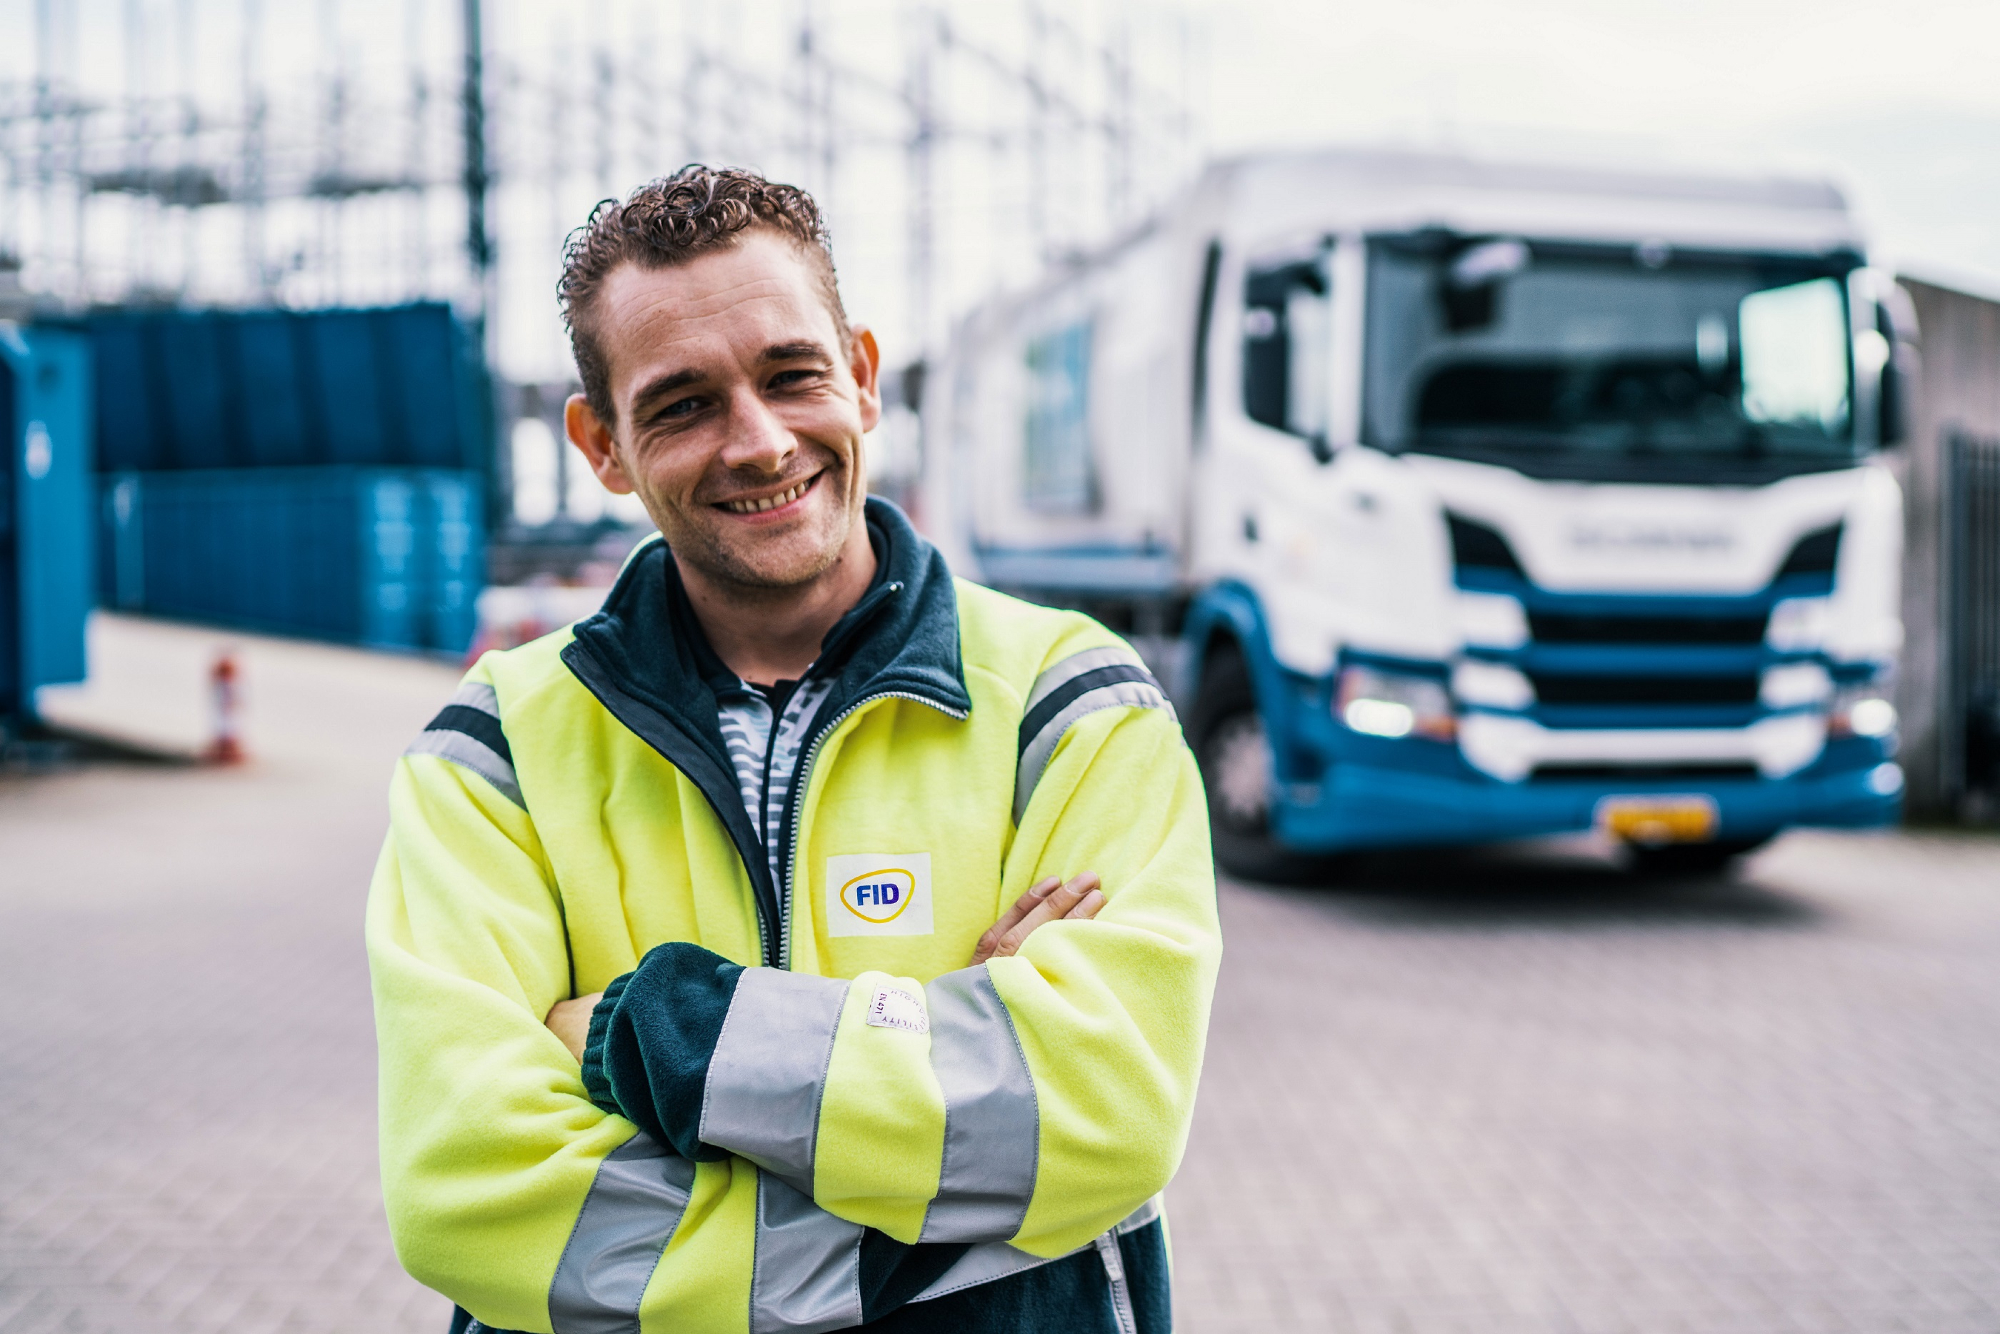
pixel 467 732
pixel 480 726
pixel 1079 685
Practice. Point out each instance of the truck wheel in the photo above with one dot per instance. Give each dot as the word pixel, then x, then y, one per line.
pixel 1227 734
pixel 1692 858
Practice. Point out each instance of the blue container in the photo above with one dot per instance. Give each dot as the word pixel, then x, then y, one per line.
pixel 389 557
pixel 202 393
pixel 279 412
pixel 131 428
pixel 451 557
pixel 401 386
pixel 45 543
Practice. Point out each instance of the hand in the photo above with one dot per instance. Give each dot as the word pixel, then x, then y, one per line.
pixel 570 1021
pixel 1079 899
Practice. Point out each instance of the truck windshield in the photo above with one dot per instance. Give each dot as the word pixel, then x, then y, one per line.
pixel 1595 361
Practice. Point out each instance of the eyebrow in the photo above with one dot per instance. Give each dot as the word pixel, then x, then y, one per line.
pixel 681 379
pixel 666 384
pixel 795 352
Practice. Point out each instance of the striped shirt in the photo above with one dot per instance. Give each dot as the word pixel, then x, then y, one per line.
pixel 766 758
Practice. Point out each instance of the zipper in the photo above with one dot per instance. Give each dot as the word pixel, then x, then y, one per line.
pixel 764 793
pixel 1121 1291
pixel 802 779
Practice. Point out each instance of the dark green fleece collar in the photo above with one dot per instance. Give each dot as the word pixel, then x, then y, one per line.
pixel 901 638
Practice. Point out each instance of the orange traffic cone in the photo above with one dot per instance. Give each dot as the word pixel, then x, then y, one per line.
pixel 227 746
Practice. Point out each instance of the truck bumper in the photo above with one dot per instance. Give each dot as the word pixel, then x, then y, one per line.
pixel 1359 806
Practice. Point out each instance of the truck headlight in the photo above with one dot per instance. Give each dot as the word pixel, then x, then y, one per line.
pixel 1394 704
pixel 1862 711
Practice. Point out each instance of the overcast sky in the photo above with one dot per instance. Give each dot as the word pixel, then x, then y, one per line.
pixel 1901 102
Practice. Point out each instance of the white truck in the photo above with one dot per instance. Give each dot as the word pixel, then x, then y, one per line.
pixel 1459 501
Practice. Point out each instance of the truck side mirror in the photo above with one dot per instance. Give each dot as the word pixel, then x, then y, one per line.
pixel 1470 292
pixel 1896 323
pixel 1892 396
pixel 1892 404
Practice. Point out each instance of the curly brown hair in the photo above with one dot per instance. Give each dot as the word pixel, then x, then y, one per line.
pixel 670 221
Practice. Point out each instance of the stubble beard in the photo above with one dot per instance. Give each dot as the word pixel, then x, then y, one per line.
pixel 732 566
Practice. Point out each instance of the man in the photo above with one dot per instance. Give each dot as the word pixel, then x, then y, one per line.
pixel 670 936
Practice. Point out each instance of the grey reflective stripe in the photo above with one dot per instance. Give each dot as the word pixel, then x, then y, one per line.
pixel 765 1078
pixel 996 1259
pixel 992 1129
pixel 627 1220
pixel 1141 1216
pixel 983 1264
pixel 1075 665
pixel 478 695
pixel 468 751
pixel 808 1270
pixel 1138 690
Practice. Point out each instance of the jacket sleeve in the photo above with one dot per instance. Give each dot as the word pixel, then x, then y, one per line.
pixel 507 1189
pixel 1038 1099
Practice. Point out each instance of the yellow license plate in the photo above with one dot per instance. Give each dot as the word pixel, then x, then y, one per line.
pixel 1658 819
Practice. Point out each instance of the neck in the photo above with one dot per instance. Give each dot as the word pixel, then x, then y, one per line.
pixel 766 635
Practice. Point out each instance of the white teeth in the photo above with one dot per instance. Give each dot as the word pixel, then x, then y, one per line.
pixel 771 502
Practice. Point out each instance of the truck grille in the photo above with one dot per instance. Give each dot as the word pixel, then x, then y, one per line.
pixel 1559 627
pixel 1644 773
pixel 1554 689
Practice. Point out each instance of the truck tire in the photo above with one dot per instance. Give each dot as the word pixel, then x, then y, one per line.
pixel 1226 733
pixel 1676 859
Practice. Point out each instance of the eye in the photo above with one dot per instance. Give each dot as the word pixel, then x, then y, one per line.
pixel 681 407
pixel 796 377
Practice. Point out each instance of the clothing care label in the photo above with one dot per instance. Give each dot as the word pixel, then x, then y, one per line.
pixel 894 1007
pixel 879 894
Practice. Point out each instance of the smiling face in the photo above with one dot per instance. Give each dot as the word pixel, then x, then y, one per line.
pixel 740 404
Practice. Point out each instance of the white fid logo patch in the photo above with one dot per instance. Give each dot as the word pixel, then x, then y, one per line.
pixel 879 894
pixel 894 1007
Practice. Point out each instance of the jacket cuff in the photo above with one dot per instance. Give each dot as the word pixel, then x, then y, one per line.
pixel 652 1040
pixel 596 1083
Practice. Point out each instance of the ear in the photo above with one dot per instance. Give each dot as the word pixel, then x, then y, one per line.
pixel 864 359
pixel 595 441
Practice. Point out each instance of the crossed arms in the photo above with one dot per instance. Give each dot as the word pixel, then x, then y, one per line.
pixel 1078 900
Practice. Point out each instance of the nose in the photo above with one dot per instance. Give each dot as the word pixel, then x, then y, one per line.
pixel 757 439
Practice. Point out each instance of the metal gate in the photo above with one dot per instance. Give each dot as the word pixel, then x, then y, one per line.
pixel 1972 736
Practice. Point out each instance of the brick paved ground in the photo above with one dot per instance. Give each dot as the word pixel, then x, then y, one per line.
pixel 187 1081
pixel 1479 1096
pixel 1498 1095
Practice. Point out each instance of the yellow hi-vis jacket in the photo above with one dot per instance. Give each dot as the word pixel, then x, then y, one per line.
pixel 800 1108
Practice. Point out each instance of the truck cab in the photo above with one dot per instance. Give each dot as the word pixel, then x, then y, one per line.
pixel 1462 502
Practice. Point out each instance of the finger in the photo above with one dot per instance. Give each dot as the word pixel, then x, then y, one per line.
pixel 1086 908
pixel 990 942
pixel 1057 904
pixel 1026 904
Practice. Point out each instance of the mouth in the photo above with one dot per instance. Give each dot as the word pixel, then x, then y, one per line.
pixel 764 504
